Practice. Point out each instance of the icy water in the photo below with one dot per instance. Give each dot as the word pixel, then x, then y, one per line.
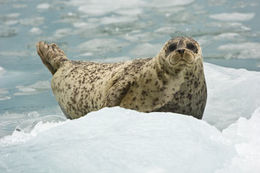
pixel 118 30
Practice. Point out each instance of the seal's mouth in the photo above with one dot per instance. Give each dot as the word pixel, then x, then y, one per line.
pixel 183 58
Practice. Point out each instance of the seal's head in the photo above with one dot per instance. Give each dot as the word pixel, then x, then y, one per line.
pixel 179 53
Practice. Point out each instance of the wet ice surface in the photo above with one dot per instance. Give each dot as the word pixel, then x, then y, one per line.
pixel 113 31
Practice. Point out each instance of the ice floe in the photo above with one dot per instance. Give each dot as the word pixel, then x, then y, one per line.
pixel 116 139
pixel 43 6
pixel 146 50
pixel 35 31
pixel 233 16
pixel 101 7
pixel 229 36
pixel 33 89
pixel 101 46
pixel 4 94
pixel 242 50
pixel 232 93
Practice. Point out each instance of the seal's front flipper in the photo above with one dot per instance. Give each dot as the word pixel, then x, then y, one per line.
pixel 51 55
pixel 116 93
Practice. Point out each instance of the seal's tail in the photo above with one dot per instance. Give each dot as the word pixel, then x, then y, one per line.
pixel 51 55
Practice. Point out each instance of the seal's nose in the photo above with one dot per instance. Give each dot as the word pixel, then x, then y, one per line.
pixel 181 51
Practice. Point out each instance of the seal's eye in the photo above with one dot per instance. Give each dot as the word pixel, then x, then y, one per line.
pixel 192 47
pixel 172 47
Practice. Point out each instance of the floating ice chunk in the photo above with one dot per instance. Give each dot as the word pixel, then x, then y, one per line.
pixel 36 30
pixel 230 26
pixel 29 125
pixel 7 31
pixel 80 24
pixel 101 46
pixel 19 137
pixel 119 140
pixel 9 19
pixel 137 36
pixel 232 93
pixel 117 19
pixel 4 97
pixel 11 22
pixel 3 93
pixel 101 7
pixel 241 50
pixel 225 36
pixel 167 3
pixel 33 21
pixel 19 5
pixel 130 12
pixel 167 30
pixel 43 6
pixel 244 136
pixel 2 71
pixel 146 50
pixel 14 53
pixel 9 121
pixel 60 33
pixel 233 16
pixel 13 15
pixel 33 89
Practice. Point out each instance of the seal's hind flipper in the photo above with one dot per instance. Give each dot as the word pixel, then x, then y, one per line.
pixel 51 55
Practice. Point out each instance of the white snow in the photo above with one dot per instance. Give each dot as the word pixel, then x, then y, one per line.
pixel 232 93
pixel 244 136
pixel 116 140
pixel 235 16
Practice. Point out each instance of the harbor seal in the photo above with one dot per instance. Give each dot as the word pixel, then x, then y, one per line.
pixel 172 81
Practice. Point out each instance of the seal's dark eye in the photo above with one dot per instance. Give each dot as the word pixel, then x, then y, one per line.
pixel 172 47
pixel 192 47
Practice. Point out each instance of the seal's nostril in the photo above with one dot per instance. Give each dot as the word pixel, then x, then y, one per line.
pixel 181 51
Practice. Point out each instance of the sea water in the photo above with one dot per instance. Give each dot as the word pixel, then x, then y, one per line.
pixel 118 30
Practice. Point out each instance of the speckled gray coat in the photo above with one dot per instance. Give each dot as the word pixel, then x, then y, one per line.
pixel 173 81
